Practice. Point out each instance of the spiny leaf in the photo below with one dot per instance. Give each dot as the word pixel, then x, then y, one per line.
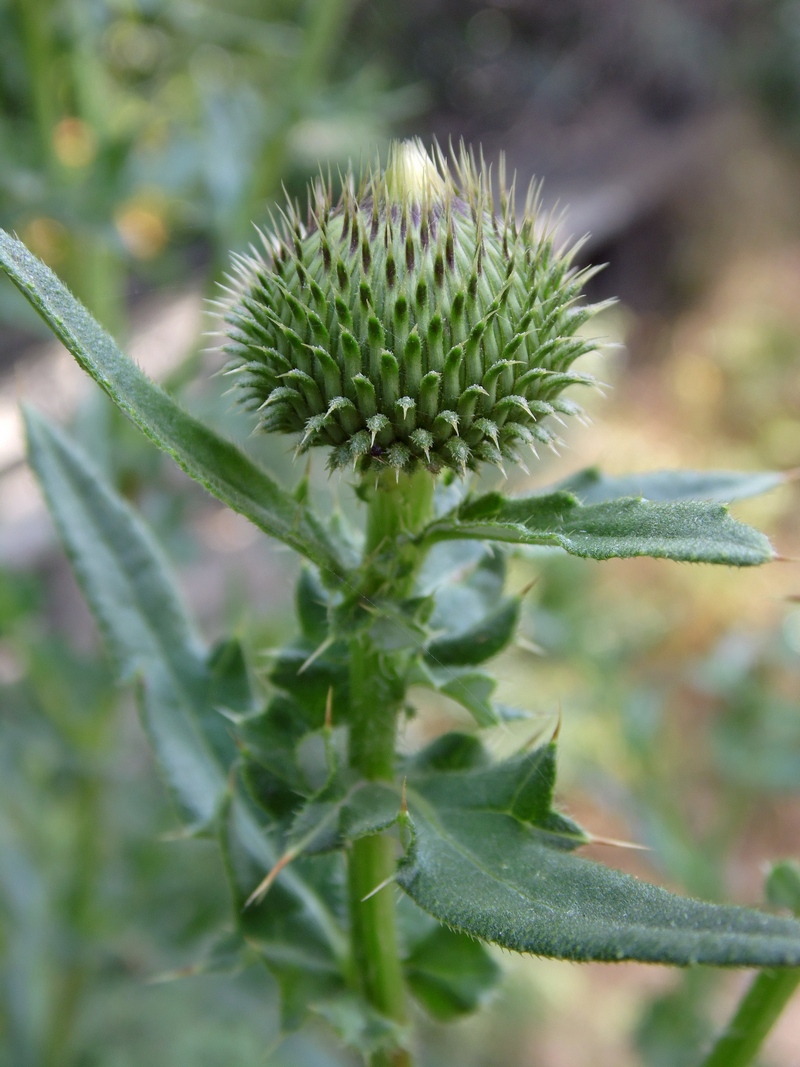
pixel 141 617
pixel 491 859
pixel 692 532
pixel 150 637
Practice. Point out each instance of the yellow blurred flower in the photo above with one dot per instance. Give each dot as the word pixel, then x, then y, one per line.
pixel 74 143
pixel 142 227
pixel 47 238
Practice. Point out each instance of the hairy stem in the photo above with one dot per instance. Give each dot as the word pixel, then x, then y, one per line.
pixel 374 707
pixel 397 508
pixel 756 1015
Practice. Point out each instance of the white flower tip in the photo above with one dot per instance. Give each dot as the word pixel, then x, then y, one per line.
pixel 411 174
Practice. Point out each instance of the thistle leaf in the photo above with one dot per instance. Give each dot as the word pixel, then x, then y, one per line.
pixel 490 858
pixel 141 617
pixel 688 531
pixel 149 636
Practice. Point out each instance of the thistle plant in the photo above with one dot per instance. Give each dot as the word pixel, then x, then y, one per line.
pixel 415 329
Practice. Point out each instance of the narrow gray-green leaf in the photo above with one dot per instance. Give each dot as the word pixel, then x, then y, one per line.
pixel 139 613
pixel 480 863
pixel 591 486
pixel 142 618
pixel 210 459
pixel 687 531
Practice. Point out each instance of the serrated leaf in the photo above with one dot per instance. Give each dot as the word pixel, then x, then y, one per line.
pixel 591 486
pixel 446 563
pixel 488 860
pixel 208 458
pixel 308 674
pixel 370 808
pixel 692 532
pixel 400 627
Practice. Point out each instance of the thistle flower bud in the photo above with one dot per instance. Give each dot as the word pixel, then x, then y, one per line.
pixel 412 321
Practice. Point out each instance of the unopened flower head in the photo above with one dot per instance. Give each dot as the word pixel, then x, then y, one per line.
pixel 413 321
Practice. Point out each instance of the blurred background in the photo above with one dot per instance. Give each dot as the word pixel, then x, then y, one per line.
pixel 138 141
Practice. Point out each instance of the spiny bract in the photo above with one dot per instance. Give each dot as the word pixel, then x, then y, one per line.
pixel 409 323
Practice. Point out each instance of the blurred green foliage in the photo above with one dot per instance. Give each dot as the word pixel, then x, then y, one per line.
pixel 140 138
pixel 95 903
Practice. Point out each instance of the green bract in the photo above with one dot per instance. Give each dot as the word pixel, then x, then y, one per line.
pixel 409 323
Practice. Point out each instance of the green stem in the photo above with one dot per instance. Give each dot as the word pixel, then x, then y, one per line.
pixel 763 1002
pixel 397 508
pixel 374 708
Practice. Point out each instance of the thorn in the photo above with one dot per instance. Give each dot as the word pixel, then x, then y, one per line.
pixel 530 646
pixel 526 589
pixel 326 644
pixel 593 839
pixel 403 799
pixel 173 976
pixel 329 709
pixel 532 741
pixel 559 721
pixel 263 886
pixel 378 888
pixel 778 558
